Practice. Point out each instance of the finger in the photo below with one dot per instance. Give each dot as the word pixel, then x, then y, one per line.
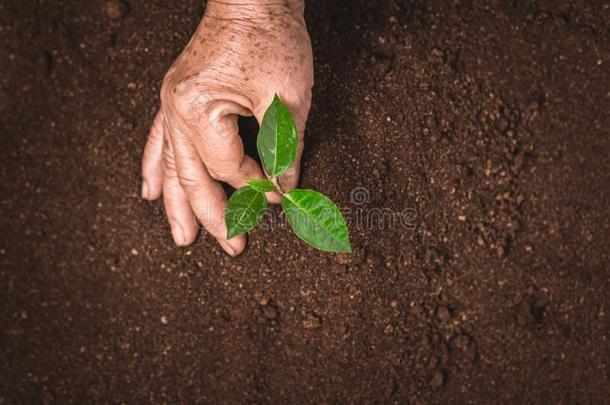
pixel 177 208
pixel 205 195
pixel 222 150
pixel 152 165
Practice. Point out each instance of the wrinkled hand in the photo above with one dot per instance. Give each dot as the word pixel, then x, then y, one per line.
pixel 241 55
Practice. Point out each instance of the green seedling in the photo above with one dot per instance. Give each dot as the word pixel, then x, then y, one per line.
pixel 313 216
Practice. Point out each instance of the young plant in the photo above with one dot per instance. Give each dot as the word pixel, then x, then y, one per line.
pixel 313 216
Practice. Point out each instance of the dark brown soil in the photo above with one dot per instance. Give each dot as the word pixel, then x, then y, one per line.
pixel 487 124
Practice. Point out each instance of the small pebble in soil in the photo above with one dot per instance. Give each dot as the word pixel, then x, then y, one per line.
pixel 116 9
pixel 438 52
pixel 312 322
pixel 164 320
pixel 342 258
pixel 531 290
pixel 134 251
pixel 270 312
pixel 500 251
pixel 437 379
pixel 443 314
pixel 518 162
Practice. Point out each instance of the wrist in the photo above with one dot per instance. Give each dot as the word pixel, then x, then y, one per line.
pixel 255 9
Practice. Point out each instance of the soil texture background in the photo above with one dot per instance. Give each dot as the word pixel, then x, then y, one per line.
pixel 468 140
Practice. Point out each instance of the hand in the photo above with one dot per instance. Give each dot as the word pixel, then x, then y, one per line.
pixel 241 55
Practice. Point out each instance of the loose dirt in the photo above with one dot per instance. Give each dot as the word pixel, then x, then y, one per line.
pixel 468 142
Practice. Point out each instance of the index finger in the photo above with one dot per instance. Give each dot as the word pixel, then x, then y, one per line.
pixel 206 196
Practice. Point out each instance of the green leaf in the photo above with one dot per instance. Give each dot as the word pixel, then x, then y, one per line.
pixel 262 185
pixel 244 210
pixel 316 220
pixel 277 139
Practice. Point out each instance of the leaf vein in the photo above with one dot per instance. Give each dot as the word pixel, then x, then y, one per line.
pixel 290 198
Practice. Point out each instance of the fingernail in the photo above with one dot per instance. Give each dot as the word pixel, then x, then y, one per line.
pixel 178 233
pixel 274 197
pixel 145 190
pixel 227 247
pixel 237 245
